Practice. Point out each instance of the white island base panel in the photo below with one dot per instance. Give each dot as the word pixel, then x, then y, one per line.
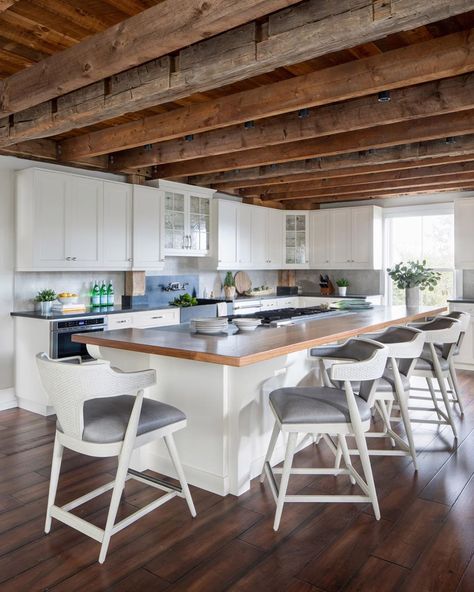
pixel 229 420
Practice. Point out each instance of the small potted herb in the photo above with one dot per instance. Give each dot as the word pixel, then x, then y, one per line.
pixel 45 299
pixel 342 286
pixel 229 286
pixel 412 277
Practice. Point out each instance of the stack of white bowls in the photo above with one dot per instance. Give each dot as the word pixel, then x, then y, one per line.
pixel 209 326
pixel 247 324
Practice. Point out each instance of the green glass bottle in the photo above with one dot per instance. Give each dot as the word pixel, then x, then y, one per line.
pixel 95 300
pixel 110 294
pixel 103 294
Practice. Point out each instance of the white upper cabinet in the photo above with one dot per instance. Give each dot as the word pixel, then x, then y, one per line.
pixel 296 240
pixel 187 219
pixel 248 237
pixel 84 217
pixel 148 251
pixel 227 234
pixel 464 233
pixel 59 221
pixel 117 225
pixel 346 238
pixel 319 251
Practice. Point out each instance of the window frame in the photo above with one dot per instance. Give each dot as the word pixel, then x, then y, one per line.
pixel 411 212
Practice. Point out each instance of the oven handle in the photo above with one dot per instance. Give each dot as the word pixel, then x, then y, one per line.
pixel 86 329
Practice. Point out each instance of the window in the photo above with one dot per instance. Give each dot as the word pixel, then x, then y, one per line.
pixel 427 233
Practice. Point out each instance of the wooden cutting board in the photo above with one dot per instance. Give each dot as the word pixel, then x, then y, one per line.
pixel 243 283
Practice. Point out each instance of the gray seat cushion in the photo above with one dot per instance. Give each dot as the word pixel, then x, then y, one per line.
pixel 106 419
pixel 426 363
pixel 308 405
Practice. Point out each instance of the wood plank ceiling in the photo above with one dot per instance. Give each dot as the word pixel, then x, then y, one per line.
pixel 286 103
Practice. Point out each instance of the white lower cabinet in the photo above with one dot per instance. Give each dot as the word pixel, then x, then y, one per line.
pixel 156 318
pixel 119 321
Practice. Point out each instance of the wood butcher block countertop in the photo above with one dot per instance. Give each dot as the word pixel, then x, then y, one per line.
pixel 265 343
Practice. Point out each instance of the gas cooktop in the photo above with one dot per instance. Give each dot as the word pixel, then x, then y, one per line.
pixel 286 316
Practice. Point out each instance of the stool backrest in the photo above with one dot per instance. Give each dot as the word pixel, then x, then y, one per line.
pixel 368 363
pixel 69 385
pixel 441 330
pixel 402 342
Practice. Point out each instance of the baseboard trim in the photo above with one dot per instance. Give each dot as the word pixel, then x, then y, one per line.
pixel 34 407
pixel 8 399
pixel 465 366
pixel 198 478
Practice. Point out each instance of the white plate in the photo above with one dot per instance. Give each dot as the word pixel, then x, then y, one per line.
pixel 247 327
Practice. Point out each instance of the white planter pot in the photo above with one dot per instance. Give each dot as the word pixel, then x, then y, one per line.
pixel 341 290
pixel 412 297
pixel 229 292
pixel 45 308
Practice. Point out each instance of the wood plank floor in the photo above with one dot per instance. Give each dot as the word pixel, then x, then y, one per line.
pixel 423 543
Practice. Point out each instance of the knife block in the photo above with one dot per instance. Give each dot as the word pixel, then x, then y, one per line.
pixel 329 290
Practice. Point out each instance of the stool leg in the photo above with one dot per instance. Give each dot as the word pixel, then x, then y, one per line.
pixel 453 377
pixel 120 479
pixel 53 480
pixel 169 441
pixel 429 381
pixel 402 399
pixel 290 450
pixel 271 448
pixel 444 393
pixel 367 467
pixel 346 455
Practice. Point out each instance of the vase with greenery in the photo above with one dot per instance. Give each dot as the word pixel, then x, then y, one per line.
pixel 342 285
pixel 229 286
pixel 45 299
pixel 412 277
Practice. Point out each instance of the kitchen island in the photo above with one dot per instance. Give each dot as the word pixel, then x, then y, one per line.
pixel 222 383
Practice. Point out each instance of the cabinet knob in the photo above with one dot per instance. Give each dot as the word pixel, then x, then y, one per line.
pixel 74 258
pixel 129 259
pixel 68 258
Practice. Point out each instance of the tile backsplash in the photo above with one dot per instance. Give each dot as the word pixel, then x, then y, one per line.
pixel 361 281
pixel 28 284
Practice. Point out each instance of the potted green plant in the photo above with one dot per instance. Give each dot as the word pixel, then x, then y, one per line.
pixel 229 286
pixel 45 299
pixel 342 286
pixel 412 277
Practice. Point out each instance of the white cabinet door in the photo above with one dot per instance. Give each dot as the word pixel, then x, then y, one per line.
pixel 227 234
pixel 258 258
pixel 464 233
pixel 117 226
pixel 274 238
pixel 156 318
pixel 147 229
pixel 340 229
pixel 49 224
pixel 176 231
pixel 244 235
pixel 296 240
pixel 84 222
pixel 319 252
pixel 361 237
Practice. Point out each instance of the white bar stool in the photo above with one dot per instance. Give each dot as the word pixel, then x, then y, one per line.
pixel 102 412
pixel 324 410
pixel 441 336
pixel 404 343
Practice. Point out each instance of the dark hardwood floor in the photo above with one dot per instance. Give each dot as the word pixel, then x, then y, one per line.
pixel 424 541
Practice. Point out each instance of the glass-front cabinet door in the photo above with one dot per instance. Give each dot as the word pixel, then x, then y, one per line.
pixel 187 216
pixel 296 240
pixel 175 234
pixel 199 223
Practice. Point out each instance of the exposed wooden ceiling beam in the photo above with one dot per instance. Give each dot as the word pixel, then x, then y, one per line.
pixel 453 54
pixel 148 35
pixel 464 180
pixel 433 152
pixel 252 49
pixel 376 177
pixel 382 194
pixel 5 4
pixel 244 187
pixel 428 128
pixel 425 100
